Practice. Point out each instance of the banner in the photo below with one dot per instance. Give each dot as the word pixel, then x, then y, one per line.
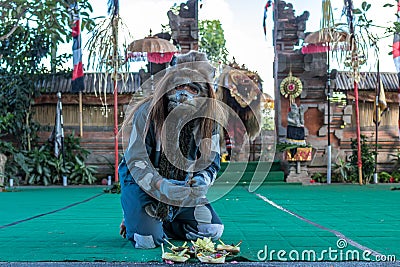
pixel 77 74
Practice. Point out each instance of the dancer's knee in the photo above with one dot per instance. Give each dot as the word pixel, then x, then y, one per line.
pixel 213 231
pixel 146 241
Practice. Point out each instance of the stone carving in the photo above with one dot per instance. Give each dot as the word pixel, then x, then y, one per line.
pixel 296 115
pixel 185 20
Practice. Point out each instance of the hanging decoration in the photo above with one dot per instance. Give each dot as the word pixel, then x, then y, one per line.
pixel 267 5
pixel 107 49
pixel 291 87
pixel 77 73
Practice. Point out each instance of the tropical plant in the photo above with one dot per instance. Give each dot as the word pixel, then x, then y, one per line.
pixel 318 177
pixel 396 161
pixel 81 173
pixel 39 166
pixel 72 148
pixel 110 163
pixel 367 159
pixel 342 168
pixel 114 189
pixel 5 122
pixel 396 176
pixel 72 162
pixel 39 170
pixel 384 177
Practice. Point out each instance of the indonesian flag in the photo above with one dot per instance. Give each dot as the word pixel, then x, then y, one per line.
pixel 77 74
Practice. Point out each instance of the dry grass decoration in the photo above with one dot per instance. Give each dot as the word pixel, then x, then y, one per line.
pixel 108 52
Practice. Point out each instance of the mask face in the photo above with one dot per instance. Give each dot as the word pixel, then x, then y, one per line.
pixel 185 94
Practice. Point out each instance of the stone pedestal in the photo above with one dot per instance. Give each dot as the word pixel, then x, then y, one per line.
pixel 298 172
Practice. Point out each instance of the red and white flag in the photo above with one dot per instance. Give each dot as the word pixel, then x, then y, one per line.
pixel 77 74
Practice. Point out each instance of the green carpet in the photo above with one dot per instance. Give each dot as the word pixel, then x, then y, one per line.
pixel 82 223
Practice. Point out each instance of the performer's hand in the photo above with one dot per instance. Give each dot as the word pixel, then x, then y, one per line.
pixel 173 189
pixel 196 181
pixel 198 185
pixel 122 229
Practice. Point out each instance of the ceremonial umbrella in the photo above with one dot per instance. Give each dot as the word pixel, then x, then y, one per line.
pixel 325 40
pixel 157 50
pixel 152 44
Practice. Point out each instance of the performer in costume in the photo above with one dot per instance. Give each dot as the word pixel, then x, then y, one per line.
pixel 241 90
pixel 164 183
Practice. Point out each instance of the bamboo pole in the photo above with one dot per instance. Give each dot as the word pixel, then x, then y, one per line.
pixel 378 91
pixel 116 128
pixel 355 65
pixel 80 115
pixel 359 161
pixel 115 77
pixel 355 70
pixel 329 163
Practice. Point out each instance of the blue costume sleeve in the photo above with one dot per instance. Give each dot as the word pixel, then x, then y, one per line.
pixel 138 151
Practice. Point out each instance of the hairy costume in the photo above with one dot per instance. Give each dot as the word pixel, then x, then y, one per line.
pixel 241 90
pixel 164 178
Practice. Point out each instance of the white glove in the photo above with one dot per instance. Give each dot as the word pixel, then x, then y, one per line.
pixel 174 190
pixel 198 185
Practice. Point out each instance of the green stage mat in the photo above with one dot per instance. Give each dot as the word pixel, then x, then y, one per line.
pixel 303 222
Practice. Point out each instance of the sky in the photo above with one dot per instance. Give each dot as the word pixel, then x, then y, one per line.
pixel 242 24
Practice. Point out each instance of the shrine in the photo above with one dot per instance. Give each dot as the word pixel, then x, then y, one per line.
pixel 301 83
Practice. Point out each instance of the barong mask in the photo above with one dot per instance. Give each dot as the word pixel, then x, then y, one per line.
pixel 185 92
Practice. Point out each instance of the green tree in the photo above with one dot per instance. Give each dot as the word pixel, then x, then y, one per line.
pixel 29 31
pixel 212 40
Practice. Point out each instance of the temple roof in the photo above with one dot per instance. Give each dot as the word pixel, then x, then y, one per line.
pixel 62 83
pixel 368 81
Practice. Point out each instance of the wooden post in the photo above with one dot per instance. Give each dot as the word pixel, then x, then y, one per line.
pixel 115 77
pixel 80 115
pixel 355 61
pixel 359 160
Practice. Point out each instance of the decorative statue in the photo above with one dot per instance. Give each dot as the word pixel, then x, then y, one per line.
pixel 296 116
pixel 295 130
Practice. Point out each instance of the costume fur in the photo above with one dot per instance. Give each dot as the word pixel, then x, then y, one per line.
pixel 241 90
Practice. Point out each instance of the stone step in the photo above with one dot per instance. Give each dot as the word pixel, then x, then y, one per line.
pixel 251 166
pixel 246 177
